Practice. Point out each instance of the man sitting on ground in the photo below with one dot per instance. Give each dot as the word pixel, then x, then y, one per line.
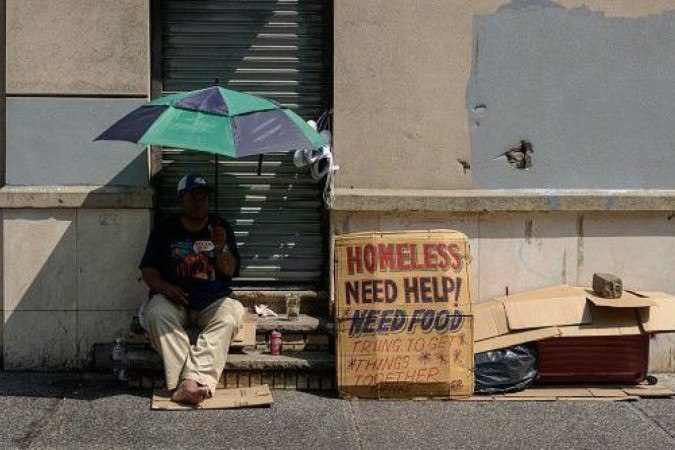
pixel 188 264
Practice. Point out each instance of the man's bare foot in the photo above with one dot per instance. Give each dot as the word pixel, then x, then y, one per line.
pixel 190 392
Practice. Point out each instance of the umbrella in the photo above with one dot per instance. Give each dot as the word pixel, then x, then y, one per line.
pixel 218 121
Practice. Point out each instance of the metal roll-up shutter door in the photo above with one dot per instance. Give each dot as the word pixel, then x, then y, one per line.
pixel 279 50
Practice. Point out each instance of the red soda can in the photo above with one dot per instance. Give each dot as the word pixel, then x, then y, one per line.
pixel 275 343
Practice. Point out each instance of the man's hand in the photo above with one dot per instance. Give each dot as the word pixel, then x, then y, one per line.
pixel 174 293
pixel 218 237
pixel 155 282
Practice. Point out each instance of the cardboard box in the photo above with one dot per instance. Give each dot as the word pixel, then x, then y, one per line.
pixel 404 324
pixel 558 305
pixel 568 311
pixel 528 316
pixel 661 316
pixel 606 322
pixel 489 320
pixel 516 338
pixel 628 299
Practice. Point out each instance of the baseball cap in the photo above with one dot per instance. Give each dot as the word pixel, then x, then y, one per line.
pixel 191 182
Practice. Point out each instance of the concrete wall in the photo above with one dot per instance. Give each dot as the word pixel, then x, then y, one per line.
pixel 403 118
pixel 71 281
pixel 592 94
pixel 525 251
pixel 78 47
pixel 75 213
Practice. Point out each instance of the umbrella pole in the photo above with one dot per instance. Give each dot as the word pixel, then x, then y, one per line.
pixel 216 182
pixel 216 82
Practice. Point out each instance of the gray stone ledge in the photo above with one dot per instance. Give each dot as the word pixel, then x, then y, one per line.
pixel 92 197
pixel 502 200
pixel 304 324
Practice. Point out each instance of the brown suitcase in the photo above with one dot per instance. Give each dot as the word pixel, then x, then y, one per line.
pixel 597 359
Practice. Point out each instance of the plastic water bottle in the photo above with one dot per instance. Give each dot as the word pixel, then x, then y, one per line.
pixel 119 358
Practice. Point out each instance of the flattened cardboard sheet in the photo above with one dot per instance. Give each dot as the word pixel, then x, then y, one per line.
pixel 625 398
pixel 552 306
pixel 404 317
pixel 511 339
pixel 489 320
pixel 561 290
pixel 606 322
pixel 628 300
pixel 556 392
pixel 547 311
pixel 222 399
pixel 607 392
pixel 661 316
pixel 649 392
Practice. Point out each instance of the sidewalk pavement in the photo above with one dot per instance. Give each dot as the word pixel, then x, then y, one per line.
pixel 87 411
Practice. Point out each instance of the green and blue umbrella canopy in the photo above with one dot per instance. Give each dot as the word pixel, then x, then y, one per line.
pixel 216 120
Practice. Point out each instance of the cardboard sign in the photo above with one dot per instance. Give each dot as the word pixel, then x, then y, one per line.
pixel 403 315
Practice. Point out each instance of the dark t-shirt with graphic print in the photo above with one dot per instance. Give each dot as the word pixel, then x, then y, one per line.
pixel 189 260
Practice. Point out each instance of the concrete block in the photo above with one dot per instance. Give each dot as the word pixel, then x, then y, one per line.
pixel 266 378
pixel 40 340
pixel 78 47
pixel 244 379
pixel 637 247
pixel 231 379
pixel 315 382
pixel 255 378
pixel 39 248
pixel 525 251
pixel 99 327
pixel 302 381
pixel 50 143
pixel 110 244
pixel 278 380
pixel 607 285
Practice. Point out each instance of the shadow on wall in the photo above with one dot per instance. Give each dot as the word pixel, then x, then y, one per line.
pixel 50 143
pixel 77 287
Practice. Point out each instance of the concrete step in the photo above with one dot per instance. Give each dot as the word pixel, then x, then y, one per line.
pixel 146 358
pixel 304 324
pixel 292 370
pixel 306 333
pixel 315 303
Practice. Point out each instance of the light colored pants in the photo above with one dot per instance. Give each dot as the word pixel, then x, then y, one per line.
pixel 204 362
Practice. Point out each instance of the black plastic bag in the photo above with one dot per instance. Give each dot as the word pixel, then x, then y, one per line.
pixel 505 370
